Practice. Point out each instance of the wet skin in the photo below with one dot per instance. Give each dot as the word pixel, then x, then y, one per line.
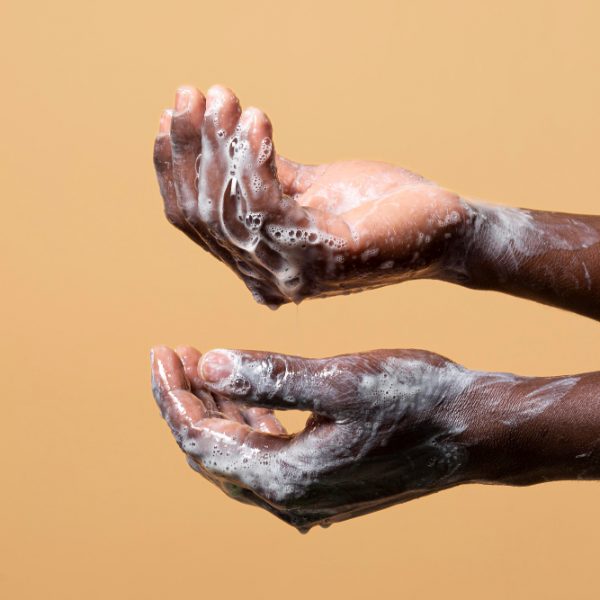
pixel 294 231
pixel 386 427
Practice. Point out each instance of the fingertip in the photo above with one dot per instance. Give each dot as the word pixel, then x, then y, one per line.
pixel 254 119
pixel 165 121
pixel 259 132
pixel 159 352
pixel 250 115
pixel 218 89
pixel 187 352
pixel 161 349
pixel 190 358
pixel 168 369
pixel 183 98
pixel 216 365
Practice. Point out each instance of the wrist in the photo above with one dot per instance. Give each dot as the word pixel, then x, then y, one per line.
pixel 498 450
pixel 528 430
pixel 459 258
pixel 492 242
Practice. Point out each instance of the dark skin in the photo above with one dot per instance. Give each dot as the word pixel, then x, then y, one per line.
pixel 386 426
pixel 372 224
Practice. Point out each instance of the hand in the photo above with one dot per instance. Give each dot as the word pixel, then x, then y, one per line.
pixel 293 231
pixel 386 427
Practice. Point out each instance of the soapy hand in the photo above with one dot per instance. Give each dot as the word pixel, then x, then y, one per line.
pixel 293 231
pixel 385 427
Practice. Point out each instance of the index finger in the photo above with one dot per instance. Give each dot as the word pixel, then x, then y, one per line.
pixel 178 406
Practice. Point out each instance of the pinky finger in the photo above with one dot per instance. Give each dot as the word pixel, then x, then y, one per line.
pixel 163 164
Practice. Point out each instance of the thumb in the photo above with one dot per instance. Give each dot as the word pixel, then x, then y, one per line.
pixel 272 380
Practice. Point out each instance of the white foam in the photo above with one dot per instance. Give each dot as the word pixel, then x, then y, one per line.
pixel 232 155
pixel 266 147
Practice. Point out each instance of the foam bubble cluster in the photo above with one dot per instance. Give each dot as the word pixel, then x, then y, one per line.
pixel 266 243
pixel 294 236
pixel 257 184
pixel 266 147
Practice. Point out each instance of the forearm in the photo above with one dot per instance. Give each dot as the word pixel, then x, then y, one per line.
pixel 525 430
pixel 553 258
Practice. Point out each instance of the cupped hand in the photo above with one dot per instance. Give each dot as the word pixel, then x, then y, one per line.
pixel 386 427
pixel 294 231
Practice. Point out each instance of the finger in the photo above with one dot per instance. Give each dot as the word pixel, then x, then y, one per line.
pixel 236 452
pixel 263 419
pixel 240 227
pixel 186 143
pixel 167 371
pixel 185 146
pixel 255 161
pixel 186 134
pixel 252 195
pixel 228 409
pixel 190 357
pixel 163 164
pixel 163 160
pixel 276 380
pixel 233 490
pixel 252 202
pixel 218 144
pixel 178 406
pixel 221 406
pixel 221 117
pixel 230 489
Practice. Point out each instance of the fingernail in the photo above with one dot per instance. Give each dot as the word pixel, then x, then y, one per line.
pixel 182 99
pixel 216 365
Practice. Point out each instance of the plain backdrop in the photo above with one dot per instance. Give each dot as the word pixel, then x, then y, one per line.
pixel 496 100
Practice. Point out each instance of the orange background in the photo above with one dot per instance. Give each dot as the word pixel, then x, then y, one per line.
pixel 496 100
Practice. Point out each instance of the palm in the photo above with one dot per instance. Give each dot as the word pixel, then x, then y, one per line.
pixel 388 194
pixel 340 187
pixel 292 231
